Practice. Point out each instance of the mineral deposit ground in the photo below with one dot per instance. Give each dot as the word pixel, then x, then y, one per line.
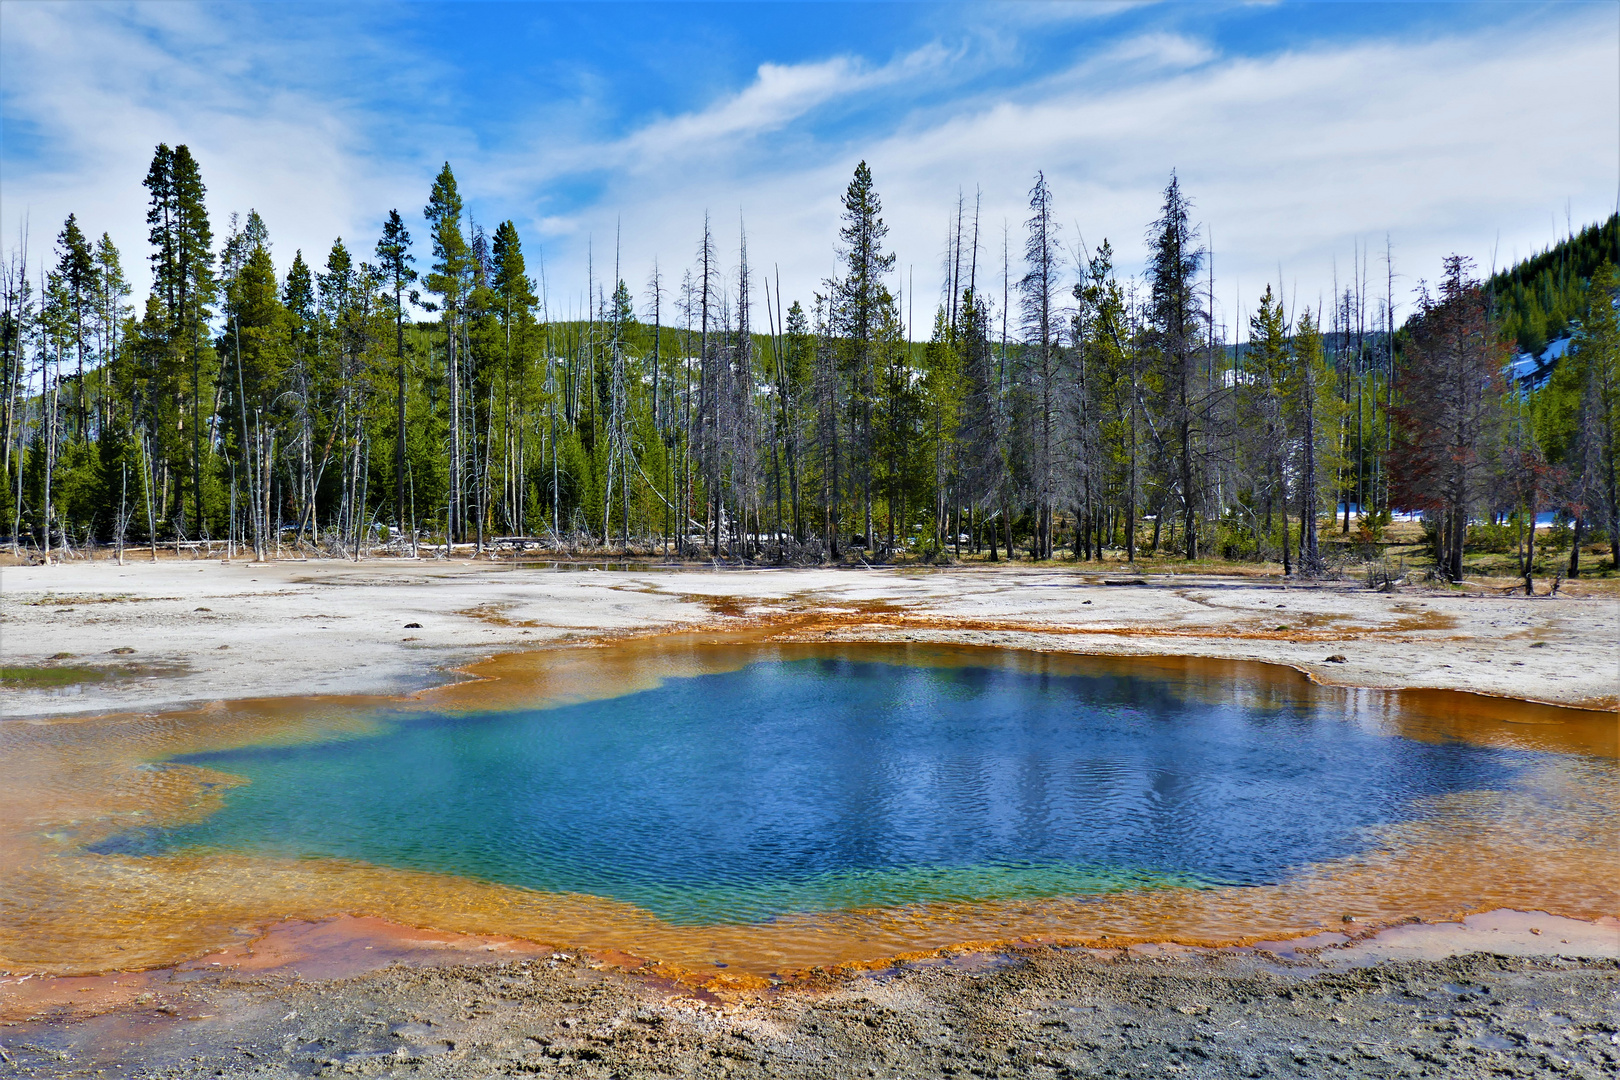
pixel 1498 993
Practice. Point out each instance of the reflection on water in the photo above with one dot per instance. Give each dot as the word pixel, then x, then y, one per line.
pixel 771 806
pixel 828 783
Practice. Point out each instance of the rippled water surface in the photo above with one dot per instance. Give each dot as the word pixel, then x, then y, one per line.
pixel 819 784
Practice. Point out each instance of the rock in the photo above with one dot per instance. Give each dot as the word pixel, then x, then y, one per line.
pixel 1538 644
pixel 1337 658
pixel 413 626
pixel 122 650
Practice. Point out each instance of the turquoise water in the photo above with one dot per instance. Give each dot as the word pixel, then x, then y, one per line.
pixel 814 785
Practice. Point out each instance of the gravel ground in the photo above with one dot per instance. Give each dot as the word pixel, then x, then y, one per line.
pixel 1045 1013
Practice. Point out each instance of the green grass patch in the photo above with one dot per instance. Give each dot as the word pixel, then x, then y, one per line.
pixel 61 676
pixel 51 678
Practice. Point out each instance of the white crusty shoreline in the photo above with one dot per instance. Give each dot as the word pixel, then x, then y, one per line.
pixel 214 631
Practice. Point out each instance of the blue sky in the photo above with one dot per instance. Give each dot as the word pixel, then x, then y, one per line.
pixel 1303 131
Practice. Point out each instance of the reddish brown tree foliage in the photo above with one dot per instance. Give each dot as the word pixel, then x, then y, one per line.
pixel 1449 417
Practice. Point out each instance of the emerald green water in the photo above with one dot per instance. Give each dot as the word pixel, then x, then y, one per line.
pixel 823 784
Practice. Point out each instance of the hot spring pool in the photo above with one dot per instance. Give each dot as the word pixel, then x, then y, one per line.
pixel 777 806
pixel 815 784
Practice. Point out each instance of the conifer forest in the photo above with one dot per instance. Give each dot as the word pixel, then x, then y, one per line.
pixel 415 393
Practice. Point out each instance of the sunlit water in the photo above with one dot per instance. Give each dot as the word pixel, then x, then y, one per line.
pixel 821 784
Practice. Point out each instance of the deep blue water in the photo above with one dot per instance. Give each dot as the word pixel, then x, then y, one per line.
pixel 820 784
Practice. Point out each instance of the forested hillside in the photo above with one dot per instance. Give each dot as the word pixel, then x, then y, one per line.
pixel 413 391
pixel 1537 299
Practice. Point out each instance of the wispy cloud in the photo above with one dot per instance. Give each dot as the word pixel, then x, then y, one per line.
pixel 1294 159
pixel 1293 155
pixel 1035 13
pixel 106 85
pixel 1162 51
pixel 779 95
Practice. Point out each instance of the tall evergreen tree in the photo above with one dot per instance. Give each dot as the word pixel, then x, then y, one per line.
pixel 394 261
pixel 862 301
pixel 75 269
pixel 112 289
pixel 1176 316
pixel 1041 386
pixel 298 298
pixel 944 387
pixel 1108 404
pixel 515 302
pixel 183 275
pixel 986 476
pixel 258 338
pixel 1271 369
pixel 450 278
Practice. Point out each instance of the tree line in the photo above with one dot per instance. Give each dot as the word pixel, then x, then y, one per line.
pixel 1057 409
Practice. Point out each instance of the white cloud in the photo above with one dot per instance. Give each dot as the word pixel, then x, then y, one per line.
pixel 1444 143
pixel 1157 50
pixel 779 94
pixel 1295 160
pixel 1042 13
pixel 106 86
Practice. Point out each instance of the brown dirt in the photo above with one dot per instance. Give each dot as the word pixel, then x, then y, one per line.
pixel 1033 1013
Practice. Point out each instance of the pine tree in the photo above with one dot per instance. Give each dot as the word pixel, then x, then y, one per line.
pixel 450 278
pixel 944 388
pixel 75 269
pixel 183 275
pixel 1109 405
pixel 1039 300
pixel 257 337
pixel 1538 299
pixel 861 302
pixel 298 298
pixel 516 301
pixel 1271 370
pixel 394 261
pixel 340 311
pixel 1176 317
pixel 1451 405
pixel 1577 416
pixel 1599 341
pixel 1309 383
pixel 985 472
pixel 111 311
pixel 799 361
